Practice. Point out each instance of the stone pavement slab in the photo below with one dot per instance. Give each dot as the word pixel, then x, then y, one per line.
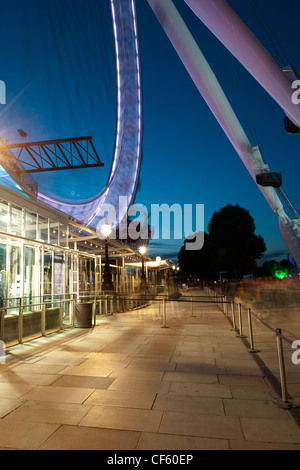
pixel 130 384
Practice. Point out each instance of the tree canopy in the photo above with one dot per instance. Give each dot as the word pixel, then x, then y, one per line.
pixel 231 246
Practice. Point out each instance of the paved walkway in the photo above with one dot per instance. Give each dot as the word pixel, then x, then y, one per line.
pixel 130 384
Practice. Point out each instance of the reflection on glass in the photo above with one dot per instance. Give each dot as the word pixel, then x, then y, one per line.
pixel 48 273
pixel 42 229
pixel 16 221
pixel 3 216
pixel 54 232
pixel 63 235
pixel 31 276
pixel 30 225
pixel 15 287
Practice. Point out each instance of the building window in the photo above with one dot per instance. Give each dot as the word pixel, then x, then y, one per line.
pixel 48 274
pixel 31 276
pixel 54 233
pixel 63 235
pixel 31 225
pixel 16 221
pixel 4 216
pixel 15 281
pixel 42 234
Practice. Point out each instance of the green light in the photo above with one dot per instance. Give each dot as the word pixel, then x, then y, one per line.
pixel 281 273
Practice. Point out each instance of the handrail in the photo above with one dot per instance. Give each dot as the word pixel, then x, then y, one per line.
pixel 286 402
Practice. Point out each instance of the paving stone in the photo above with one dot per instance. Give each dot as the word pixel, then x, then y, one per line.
pixel 59 394
pixel 252 409
pixel 270 430
pixel 189 403
pixel 153 441
pixel 192 424
pixel 7 405
pixel 25 435
pixel 189 377
pixel 85 438
pixel 81 381
pixel 130 419
pixel 200 389
pixel 121 398
pixel 50 412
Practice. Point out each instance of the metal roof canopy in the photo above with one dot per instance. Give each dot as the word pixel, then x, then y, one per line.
pixel 54 155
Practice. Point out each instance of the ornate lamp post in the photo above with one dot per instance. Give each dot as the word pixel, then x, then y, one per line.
pixel 107 278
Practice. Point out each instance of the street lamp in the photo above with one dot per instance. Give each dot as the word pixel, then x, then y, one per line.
pixel 107 278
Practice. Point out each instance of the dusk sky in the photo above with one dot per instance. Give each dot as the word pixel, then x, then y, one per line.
pixel 58 65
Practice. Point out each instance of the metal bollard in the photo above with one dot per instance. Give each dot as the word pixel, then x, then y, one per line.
pixel 164 315
pixel 240 335
pixel 192 312
pixel 61 325
pixel 283 402
pixel 233 316
pixel 43 320
pixel 252 349
pixel 20 322
pixel 94 311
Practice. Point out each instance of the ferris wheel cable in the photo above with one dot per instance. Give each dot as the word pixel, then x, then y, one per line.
pixel 53 23
pixel 271 35
pixel 267 29
pixel 228 27
pixel 92 73
pixel 63 32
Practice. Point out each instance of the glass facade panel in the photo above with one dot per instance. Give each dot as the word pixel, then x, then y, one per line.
pixel 48 273
pixel 16 221
pixel 31 275
pixel 30 225
pixel 59 273
pixel 42 229
pixel 54 232
pixel 3 216
pixel 63 235
pixel 15 281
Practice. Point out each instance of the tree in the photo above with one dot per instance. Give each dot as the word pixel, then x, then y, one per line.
pixel 231 246
pixel 197 262
pixel 233 241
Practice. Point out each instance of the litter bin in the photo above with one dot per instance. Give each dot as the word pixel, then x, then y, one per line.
pixel 83 315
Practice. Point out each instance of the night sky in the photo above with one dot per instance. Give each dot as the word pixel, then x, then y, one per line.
pixel 58 65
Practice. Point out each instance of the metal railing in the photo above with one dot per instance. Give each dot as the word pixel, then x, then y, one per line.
pixel 26 318
pixel 286 401
pixel 44 318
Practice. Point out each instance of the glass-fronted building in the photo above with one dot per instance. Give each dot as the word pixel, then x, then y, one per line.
pixel 48 261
